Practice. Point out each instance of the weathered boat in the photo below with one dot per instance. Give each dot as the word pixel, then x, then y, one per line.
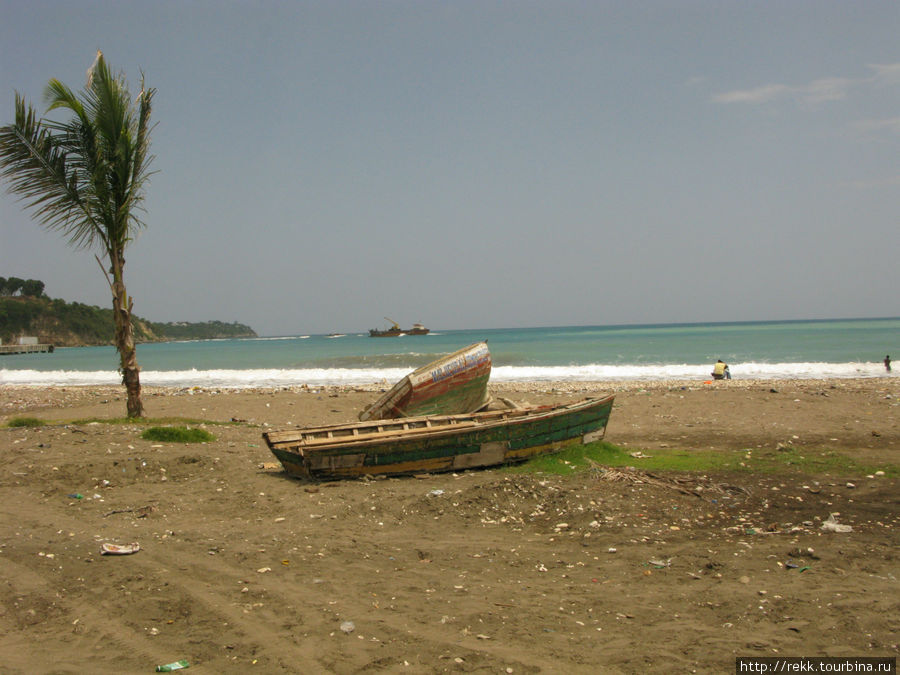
pixel 438 443
pixel 455 383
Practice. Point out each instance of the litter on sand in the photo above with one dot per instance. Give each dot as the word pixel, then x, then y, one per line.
pixel 832 525
pixel 117 549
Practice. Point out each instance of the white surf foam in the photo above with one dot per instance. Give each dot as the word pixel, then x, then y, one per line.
pixel 367 376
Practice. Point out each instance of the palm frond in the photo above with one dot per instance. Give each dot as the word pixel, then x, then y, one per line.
pixel 36 168
pixel 84 176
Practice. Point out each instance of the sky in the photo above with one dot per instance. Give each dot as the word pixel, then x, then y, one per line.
pixel 486 164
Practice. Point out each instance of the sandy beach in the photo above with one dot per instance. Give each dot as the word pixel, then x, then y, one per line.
pixel 242 569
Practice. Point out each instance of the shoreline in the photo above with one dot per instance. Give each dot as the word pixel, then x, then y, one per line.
pixel 887 382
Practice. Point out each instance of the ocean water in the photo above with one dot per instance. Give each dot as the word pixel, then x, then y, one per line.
pixel 771 350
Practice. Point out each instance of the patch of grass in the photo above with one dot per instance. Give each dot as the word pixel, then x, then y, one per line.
pixel 25 422
pixel 810 461
pixel 177 435
pixel 823 460
pixel 579 457
pixel 575 458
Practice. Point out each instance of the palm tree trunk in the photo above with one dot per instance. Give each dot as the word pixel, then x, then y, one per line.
pixel 128 364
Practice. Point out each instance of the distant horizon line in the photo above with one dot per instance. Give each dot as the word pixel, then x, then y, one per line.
pixel 611 325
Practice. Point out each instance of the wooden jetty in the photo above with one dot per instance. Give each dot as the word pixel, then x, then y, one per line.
pixel 26 349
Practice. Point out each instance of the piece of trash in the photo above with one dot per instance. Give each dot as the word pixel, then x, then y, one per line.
pixel 832 525
pixel 660 563
pixel 116 549
pixel 436 493
pixel 348 626
pixel 175 665
pixel 639 455
pixel 75 495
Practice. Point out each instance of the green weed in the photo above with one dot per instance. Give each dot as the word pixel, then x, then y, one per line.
pixel 810 461
pixel 177 435
pixel 25 422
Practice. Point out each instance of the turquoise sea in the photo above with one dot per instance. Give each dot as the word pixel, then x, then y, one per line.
pixel 773 350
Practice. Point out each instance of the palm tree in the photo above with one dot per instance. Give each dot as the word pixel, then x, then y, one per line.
pixel 85 178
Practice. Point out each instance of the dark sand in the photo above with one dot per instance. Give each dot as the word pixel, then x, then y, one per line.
pixel 242 569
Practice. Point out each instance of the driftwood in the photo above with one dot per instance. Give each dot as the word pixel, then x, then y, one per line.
pixel 687 485
pixel 140 512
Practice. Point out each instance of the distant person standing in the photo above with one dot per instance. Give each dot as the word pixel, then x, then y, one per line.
pixel 887 363
pixel 721 371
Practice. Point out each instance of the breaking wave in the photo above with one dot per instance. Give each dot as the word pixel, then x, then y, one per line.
pixel 367 376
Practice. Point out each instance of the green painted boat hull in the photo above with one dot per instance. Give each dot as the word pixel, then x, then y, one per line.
pixel 443 443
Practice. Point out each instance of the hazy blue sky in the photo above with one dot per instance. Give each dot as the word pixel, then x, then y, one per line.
pixel 477 164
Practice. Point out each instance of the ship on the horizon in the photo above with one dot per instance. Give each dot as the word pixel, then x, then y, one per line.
pixel 396 331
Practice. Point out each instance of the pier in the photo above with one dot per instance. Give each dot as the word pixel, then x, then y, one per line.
pixel 25 349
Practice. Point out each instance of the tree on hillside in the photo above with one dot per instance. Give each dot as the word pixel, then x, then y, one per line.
pixel 12 286
pixel 85 177
pixel 33 288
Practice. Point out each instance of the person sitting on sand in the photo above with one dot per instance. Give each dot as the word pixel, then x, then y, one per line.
pixel 720 371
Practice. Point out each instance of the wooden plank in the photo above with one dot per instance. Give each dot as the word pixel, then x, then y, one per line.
pixel 490 454
pixel 394 433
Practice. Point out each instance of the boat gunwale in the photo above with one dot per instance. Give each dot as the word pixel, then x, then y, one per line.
pixel 428 367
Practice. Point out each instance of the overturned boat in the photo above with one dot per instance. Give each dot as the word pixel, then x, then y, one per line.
pixel 438 443
pixel 455 383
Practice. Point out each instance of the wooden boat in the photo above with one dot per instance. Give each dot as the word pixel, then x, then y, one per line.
pixel 456 383
pixel 438 443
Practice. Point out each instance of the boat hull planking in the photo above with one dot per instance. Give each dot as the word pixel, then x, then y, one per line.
pixel 463 442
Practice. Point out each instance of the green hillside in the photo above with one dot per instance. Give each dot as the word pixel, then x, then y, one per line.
pixel 65 324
